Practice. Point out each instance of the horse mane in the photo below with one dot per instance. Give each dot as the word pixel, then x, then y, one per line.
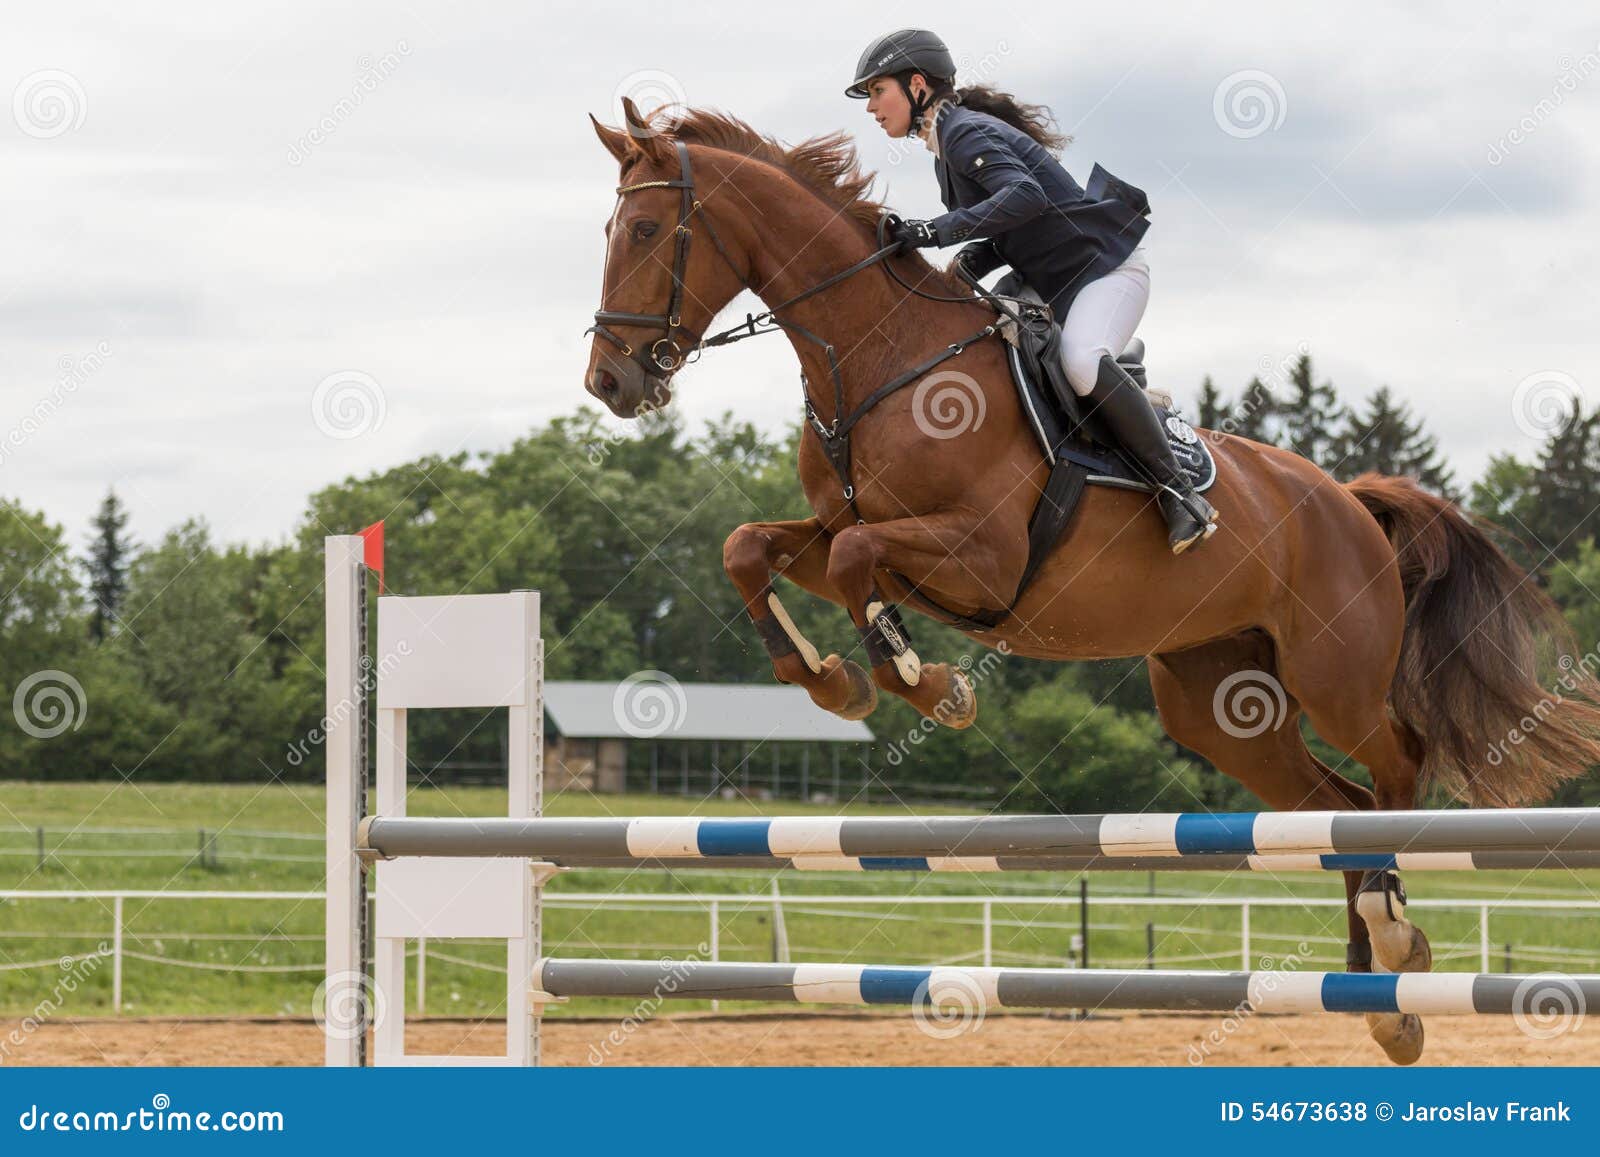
pixel 827 165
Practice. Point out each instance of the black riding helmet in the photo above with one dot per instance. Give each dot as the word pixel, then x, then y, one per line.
pixel 908 50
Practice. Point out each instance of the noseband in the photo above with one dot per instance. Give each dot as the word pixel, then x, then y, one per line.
pixel 664 355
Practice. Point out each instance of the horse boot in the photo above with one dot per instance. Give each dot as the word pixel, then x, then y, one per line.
pixel 1190 518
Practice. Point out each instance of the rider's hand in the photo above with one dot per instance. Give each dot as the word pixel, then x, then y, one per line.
pixel 911 234
pixel 978 260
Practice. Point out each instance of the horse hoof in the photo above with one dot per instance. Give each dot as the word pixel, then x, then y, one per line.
pixel 1399 1034
pixel 861 696
pixel 957 707
pixel 1401 947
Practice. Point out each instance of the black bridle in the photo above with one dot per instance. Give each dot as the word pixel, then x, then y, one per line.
pixel 665 356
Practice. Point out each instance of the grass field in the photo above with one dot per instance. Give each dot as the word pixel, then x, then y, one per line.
pixel 235 957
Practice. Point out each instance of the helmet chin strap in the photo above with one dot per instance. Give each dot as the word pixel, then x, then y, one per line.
pixel 919 107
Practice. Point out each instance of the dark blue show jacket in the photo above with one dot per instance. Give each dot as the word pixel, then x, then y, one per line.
pixel 1002 186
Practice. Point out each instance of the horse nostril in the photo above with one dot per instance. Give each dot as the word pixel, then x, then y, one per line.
pixel 605 384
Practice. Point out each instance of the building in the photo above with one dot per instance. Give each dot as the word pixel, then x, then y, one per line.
pixel 698 738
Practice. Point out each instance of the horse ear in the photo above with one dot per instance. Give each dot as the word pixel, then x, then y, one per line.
pixel 616 141
pixel 645 138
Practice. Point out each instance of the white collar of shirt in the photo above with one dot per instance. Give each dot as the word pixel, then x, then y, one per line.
pixel 932 139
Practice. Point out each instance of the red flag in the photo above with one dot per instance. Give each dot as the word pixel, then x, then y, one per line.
pixel 372 549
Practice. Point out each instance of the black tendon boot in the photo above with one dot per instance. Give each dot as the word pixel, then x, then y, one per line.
pixel 1123 405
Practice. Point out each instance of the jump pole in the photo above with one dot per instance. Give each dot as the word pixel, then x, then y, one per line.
pixel 975 989
pixel 1464 833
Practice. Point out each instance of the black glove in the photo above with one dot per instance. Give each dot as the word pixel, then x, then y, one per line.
pixel 911 234
pixel 978 260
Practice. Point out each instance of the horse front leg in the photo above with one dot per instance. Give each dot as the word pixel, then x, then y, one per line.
pixel 955 553
pixel 797 550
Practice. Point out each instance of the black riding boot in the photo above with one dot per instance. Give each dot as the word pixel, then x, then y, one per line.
pixel 1123 405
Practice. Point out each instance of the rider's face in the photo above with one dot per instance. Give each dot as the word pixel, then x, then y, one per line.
pixel 887 103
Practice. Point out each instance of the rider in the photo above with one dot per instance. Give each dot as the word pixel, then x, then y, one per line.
pixel 1013 201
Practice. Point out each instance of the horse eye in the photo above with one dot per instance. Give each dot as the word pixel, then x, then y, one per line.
pixel 644 229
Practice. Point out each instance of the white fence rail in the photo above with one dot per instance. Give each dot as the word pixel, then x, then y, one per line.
pixel 716 906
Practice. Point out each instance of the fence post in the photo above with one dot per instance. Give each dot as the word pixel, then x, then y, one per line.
pixel 1483 938
pixel 1150 946
pixel 422 975
pixel 1244 935
pixel 116 954
pixel 40 833
pixel 988 933
pixel 716 940
pixel 1083 920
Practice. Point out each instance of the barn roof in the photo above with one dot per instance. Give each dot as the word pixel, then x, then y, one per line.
pixel 664 709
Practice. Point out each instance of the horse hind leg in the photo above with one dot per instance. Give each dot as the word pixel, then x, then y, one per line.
pixel 1225 701
pixel 1344 694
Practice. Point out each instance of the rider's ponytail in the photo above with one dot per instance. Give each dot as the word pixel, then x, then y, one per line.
pixel 1034 119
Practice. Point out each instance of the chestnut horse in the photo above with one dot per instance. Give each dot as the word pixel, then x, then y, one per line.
pixel 1378 611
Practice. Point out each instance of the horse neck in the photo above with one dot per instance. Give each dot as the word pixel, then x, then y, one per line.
pixel 875 327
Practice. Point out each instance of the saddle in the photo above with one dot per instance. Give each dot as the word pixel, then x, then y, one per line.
pixel 1061 424
pixel 1080 449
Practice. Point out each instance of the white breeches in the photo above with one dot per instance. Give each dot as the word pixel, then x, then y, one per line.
pixel 1102 320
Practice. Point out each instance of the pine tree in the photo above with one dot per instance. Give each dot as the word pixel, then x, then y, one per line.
pixel 1566 488
pixel 1386 438
pixel 1212 409
pixel 108 565
pixel 1312 417
pixel 1253 416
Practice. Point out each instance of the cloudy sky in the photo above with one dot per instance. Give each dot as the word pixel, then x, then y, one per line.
pixel 218 220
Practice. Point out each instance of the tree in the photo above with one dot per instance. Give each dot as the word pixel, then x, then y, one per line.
pixel 1212 409
pixel 1566 489
pixel 1312 417
pixel 1386 438
pixel 107 565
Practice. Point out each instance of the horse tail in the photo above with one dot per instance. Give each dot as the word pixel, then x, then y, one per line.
pixel 1479 634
